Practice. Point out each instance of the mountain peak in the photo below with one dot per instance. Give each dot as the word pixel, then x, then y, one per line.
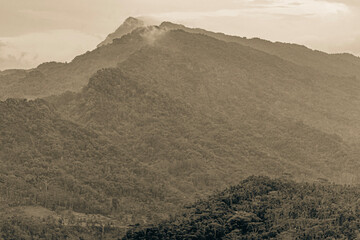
pixel 132 21
pixel 128 26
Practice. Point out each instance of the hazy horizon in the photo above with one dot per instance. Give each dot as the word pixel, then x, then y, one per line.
pixel 39 31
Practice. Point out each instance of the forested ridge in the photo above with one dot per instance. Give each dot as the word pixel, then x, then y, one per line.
pixel 264 208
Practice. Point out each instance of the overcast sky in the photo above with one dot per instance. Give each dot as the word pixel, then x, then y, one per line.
pixel 35 31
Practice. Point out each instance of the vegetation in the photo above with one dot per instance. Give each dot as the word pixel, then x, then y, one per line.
pixel 54 163
pixel 334 64
pixel 159 118
pixel 264 208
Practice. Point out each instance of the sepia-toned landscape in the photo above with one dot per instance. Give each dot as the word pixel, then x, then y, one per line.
pixel 172 132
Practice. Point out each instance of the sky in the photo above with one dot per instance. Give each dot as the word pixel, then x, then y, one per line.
pixel 36 31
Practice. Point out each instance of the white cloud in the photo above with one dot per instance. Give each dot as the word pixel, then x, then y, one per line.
pixel 31 49
pixel 276 7
pixel 304 7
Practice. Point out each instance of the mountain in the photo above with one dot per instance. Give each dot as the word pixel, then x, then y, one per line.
pixel 73 76
pixel 337 92
pixel 169 110
pixel 263 208
pixel 159 117
pixel 128 26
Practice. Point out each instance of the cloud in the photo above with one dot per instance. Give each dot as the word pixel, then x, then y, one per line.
pixel 348 45
pixel 346 2
pixel 31 49
pixel 28 16
pixel 152 34
pixel 8 61
pixel 308 22
pixel 278 7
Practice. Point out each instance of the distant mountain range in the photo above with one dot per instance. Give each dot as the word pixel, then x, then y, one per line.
pixel 158 116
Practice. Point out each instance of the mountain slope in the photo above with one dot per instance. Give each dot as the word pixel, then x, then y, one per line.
pixel 57 164
pixel 335 64
pixel 55 78
pixel 229 74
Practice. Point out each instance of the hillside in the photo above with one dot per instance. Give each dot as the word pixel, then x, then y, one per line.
pixel 201 148
pixel 335 64
pixel 263 208
pixel 54 163
pixel 241 74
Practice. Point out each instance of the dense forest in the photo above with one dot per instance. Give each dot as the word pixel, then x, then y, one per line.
pixel 264 208
pixel 257 208
pixel 158 117
pixel 56 164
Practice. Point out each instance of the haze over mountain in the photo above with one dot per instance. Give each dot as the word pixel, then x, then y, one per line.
pixel 159 116
pixel 128 26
